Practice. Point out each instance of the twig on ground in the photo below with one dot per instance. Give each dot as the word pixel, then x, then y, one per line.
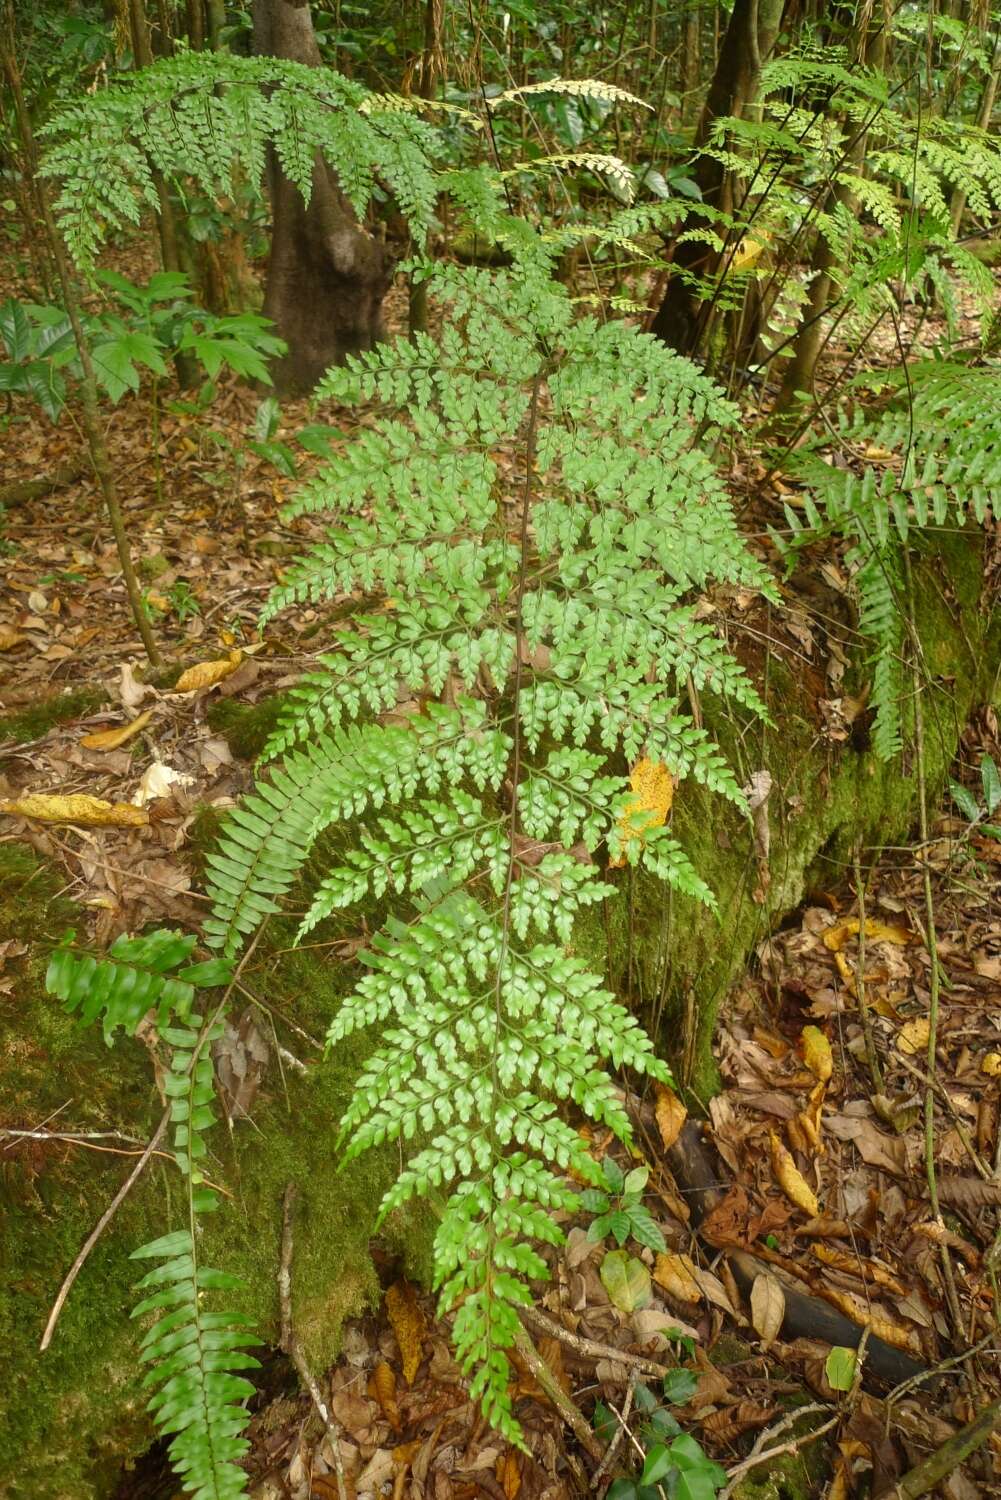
pixel 931 941
pixel 613 1447
pixel 872 1056
pixel 589 1347
pixel 940 1464
pixel 568 1410
pixel 759 1454
pixel 932 1374
pixel 293 1349
pixel 100 1227
pixel 979 1164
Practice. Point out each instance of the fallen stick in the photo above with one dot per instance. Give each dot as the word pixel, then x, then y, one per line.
pixel 924 1478
pixel 23 491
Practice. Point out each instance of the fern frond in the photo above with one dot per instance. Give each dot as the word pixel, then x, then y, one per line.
pixel 134 978
pixel 193 1353
pixel 583 635
pixel 579 88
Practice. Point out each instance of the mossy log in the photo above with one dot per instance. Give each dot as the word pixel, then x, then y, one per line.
pixel 74 1414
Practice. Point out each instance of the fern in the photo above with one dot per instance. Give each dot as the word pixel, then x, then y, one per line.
pixel 568 630
pixel 928 455
pixel 210 118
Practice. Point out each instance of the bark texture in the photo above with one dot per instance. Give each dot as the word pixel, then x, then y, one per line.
pixel 749 38
pixel 327 275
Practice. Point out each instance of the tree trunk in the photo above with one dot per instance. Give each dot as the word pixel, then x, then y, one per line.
pixel 327 275
pixel 869 48
pixel 750 36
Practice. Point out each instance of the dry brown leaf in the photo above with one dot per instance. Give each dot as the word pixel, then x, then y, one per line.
pixel 817 1053
pixel 875 1147
pixel 677 1275
pixel 790 1179
pixel 653 793
pixel 671 1115
pixel 726 1425
pixel 714 1291
pixel 912 1037
pixel 509 1474
pixel 110 739
pixel 90 812
pixel 836 937
pixel 207 673
pixel 968 1192
pixel 409 1325
pixel 130 689
pixel 9 637
pixel 405 1453
pixel 768 1305
pixel 383 1387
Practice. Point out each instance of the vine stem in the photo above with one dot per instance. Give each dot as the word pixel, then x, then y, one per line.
pixel 872 1056
pixel 568 1410
pixel 934 982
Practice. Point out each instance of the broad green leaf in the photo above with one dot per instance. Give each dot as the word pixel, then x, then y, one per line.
pixel 15 330
pixel 839 1367
pixel 626 1280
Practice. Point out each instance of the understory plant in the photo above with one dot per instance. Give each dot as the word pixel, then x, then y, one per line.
pixel 524 528
pixel 925 456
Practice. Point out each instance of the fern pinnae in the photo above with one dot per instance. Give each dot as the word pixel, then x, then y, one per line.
pixel 193 1353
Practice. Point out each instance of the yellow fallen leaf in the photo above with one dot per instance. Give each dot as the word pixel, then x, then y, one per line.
pixel 409 1324
pixel 92 812
pixel 671 1114
pixel 790 1179
pixel 913 1036
pixel 207 673
pixel 859 1312
pixel 817 1053
pixel 653 793
pixel 991 1064
pixel 809 1120
pixel 383 1387
pixel 879 932
pixel 747 254
pixel 676 1274
pixel 110 739
pixel 9 637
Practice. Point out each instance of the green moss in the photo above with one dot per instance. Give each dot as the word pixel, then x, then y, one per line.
pixel 75 1413
pixel 246 727
pixel 32 722
pixel 793 1476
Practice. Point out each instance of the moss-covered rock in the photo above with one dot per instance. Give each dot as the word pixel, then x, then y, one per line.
pixel 671 956
pixel 36 719
pixel 75 1412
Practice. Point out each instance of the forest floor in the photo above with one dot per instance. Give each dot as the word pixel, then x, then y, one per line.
pixel 79 714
